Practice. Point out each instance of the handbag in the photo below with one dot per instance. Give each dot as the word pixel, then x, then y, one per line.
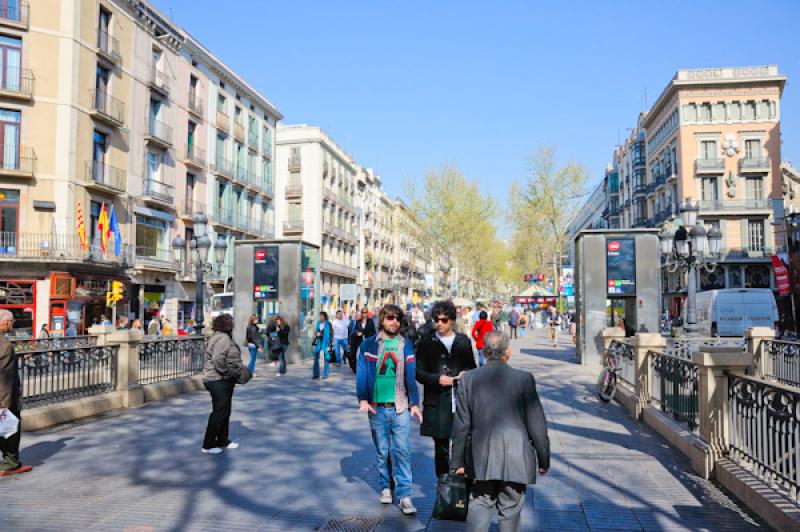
pixel 245 376
pixel 274 343
pixel 452 498
pixel 331 354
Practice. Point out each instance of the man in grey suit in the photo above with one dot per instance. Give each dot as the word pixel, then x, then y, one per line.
pixel 498 410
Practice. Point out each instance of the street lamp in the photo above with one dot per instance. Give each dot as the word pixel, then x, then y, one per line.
pixel 199 246
pixel 686 249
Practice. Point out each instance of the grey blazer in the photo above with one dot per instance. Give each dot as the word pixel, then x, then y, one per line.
pixel 499 429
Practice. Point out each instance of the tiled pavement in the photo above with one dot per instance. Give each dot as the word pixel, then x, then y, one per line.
pixel 307 458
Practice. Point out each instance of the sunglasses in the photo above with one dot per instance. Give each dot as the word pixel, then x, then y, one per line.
pixel 392 317
pixel 443 320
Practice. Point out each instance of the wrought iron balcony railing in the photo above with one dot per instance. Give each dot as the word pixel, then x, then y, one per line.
pixel 709 166
pixel 105 175
pixel 754 164
pixel 19 161
pixel 17 82
pixel 14 13
pixel 108 46
pixel 107 108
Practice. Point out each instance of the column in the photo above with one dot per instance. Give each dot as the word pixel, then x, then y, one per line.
pixel 754 336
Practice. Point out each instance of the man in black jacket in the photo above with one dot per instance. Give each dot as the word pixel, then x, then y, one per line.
pixel 363 328
pixel 499 413
pixel 443 355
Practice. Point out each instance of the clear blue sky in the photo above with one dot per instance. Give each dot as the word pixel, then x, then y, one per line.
pixel 407 85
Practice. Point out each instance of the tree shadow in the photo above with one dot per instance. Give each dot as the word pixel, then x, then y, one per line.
pixel 38 453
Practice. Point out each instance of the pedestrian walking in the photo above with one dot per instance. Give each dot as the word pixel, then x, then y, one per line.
pixel 341 329
pixel 136 325
pixel 323 345
pixel 278 334
pixel 10 398
pixel 496 318
pixel 442 358
pixel 44 332
pixel 364 328
pixel 503 319
pixel 479 330
pixel 513 321
pixel 154 327
pixel 388 393
pixel 553 325
pixel 222 370
pixel 523 324
pixel 499 437
pixel 253 342
pixel 71 331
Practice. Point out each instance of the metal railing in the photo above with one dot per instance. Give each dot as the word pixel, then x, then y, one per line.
pixel 339 269
pixel 106 175
pixel 764 424
pixel 734 205
pixel 223 122
pixel 222 166
pixel 622 353
pixel 294 164
pixel 55 246
pixel 252 139
pixel 108 106
pixel 155 253
pixel 779 360
pixel 191 206
pixel 159 190
pixel 754 164
pixel 293 226
pixel 674 387
pixel 240 172
pixel 55 374
pixel 684 347
pixel 158 79
pixel 17 159
pixel 238 131
pixel 195 155
pixel 108 45
pixel 159 130
pixel 17 80
pixel 747 252
pixel 57 342
pixel 709 165
pixel 195 104
pixel 14 12
pixel 164 359
pixel 294 190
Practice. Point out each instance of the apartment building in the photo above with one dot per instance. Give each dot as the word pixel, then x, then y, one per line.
pixel 118 123
pixel 712 137
pixel 377 240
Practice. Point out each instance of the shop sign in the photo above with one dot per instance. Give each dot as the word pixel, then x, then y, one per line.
pixel 265 273
pixel 781 276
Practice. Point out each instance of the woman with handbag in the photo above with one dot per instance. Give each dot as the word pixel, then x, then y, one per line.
pixel 223 369
pixel 253 342
pixel 323 345
pixel 278 334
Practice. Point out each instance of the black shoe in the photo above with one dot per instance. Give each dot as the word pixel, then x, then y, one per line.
pixel 314 378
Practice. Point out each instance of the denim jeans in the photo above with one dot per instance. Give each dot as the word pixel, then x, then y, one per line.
pixel 390 432
pixel 326 368
pixel 282 359
pixel 481 360
pixel 253 355
pixel 340 343
pixel 522 331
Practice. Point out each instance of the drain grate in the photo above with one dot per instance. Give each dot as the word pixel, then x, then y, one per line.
pixel 351 524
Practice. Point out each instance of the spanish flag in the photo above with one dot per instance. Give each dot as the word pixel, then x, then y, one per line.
pixel 82 229
pixel 104 228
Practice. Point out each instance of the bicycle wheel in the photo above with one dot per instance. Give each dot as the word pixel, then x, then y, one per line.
pixel 606 384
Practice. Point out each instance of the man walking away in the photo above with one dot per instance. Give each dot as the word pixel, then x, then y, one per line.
pixel 442 358
pixel 387 392
pixel 513 321
pixel 498 409
pixel 554 325
pixel 341 332
pixel 10 398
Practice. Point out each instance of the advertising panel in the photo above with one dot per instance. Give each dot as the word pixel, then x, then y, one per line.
pixel 621 266
pixel 265 273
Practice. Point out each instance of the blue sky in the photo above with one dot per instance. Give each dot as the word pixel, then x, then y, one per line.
pixel 408 85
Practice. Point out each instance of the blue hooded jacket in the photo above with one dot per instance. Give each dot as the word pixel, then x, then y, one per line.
pixel 367 364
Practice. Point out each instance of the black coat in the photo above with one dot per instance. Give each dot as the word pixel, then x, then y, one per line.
pixel 10 384
pixel 356 338
pixel 433 361
pixel 499 431
pixel 283 332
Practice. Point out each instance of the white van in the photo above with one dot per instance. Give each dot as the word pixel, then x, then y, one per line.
pixel 221 303
pixel 731 311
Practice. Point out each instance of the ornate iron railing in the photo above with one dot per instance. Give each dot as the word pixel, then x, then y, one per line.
pixel 56 374
pixel 779 360
pixel 684 347
pixel 764 424
pixel 674 387
pixel 59 342
pixel 623 357
pixel 165 359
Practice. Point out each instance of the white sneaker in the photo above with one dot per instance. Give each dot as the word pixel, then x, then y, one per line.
pixel 232 445
pixel 278 374
pixel 213 450
pixel 386 496
pixel 407 507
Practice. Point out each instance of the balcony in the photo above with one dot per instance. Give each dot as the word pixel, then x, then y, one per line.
pixel 650 189
pixel 661 180
pixel 190 207
pixel 640 190
pixel 639 161
pixel 238 132
pixel 105 177
pixel 106 108
pixel 240 172
pixel 225 216
pixel 18 83
pixel 158 190
pixel 108 47
pixel 754 165
pixel 732 206
pixel 14 14
pixel 223 122
pixel 158 81
pixel 292 226
pixel 338 269
pixel 266 149
pixel 709 166
pixel 59 247
pixel 294 190
pixel 747 252
pixel 195 105
pixel 156 257
pixel 252 140
pixel 294 164
pixel 267 188
pixel 222 167
pixel 195 157
pixel 158 133
pixel 17 161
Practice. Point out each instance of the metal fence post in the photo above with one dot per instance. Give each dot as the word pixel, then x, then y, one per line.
pixel 128 366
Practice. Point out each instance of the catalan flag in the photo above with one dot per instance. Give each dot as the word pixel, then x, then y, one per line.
pixel 103 228
pixel 82 229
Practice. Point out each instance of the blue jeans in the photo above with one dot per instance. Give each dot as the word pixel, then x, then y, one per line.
pixel 282 359
pixel 481 360
pixel 253 354
pixel 522 331
pixel 340 343
pixel 390 432
pixel 326 368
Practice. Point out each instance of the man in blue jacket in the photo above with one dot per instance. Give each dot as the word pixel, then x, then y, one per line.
pixel 387 391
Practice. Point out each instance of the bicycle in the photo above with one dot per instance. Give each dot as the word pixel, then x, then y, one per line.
pixel 607 380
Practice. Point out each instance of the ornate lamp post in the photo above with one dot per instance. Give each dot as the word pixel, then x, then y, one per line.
pixel 199 246
pixel 686 249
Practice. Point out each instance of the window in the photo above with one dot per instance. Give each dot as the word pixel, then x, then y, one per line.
pixel 221 103
pixel 154 162
pixel 221 196
pixel 755 235
pixel 704 112
pixel 710 190
pixel 191 180
pixel 708 149
pixel 718 112
pixel 755 188
pixel 103 29
pixel 10 66
pixel 295 211
pixel 151 237
pixel 9 138
pixel 99 145
pixel 752 148
pixel 101 85
pixel 193 81
pixel 190 133
pixel 237 115
pixel 734 111
pixel 9 208
pixel 155 58
pixel 749 111
pixel 220 150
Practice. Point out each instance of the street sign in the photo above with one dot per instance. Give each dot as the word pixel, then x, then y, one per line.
pixel 348 292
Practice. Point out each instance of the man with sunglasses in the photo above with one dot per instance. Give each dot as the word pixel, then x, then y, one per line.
pixel 388 393
pixel 443 355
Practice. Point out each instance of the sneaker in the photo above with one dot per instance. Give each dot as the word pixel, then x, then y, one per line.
pixel 232 445
pixel 213 450
pixel 278 374
pixel 15 471
pixel 314 378
pixel 386 496
pixel 407 507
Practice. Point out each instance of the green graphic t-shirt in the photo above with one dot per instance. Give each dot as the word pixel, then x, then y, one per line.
pixel 387 372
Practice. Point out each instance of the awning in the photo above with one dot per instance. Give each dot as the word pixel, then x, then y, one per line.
pixel 153 213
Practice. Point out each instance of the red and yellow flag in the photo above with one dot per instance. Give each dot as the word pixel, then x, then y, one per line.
pixel 103 227
pixel 82 229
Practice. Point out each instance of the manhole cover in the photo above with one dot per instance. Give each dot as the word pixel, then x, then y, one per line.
pixel 351 524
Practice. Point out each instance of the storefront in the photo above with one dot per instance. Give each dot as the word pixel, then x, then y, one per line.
pixel 19 297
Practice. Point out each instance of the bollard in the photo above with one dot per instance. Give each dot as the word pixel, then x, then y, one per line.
pixel 642 344
pixel 128 366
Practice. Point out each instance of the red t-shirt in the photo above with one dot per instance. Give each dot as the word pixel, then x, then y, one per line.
pixel 479 330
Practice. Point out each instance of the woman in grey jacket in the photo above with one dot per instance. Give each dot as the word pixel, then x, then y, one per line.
pixel 223 366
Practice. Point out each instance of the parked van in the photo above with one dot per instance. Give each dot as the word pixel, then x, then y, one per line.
pixel 731 311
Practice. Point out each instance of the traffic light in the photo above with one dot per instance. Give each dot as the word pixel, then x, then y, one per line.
pixel 117 290
pixel 109 299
